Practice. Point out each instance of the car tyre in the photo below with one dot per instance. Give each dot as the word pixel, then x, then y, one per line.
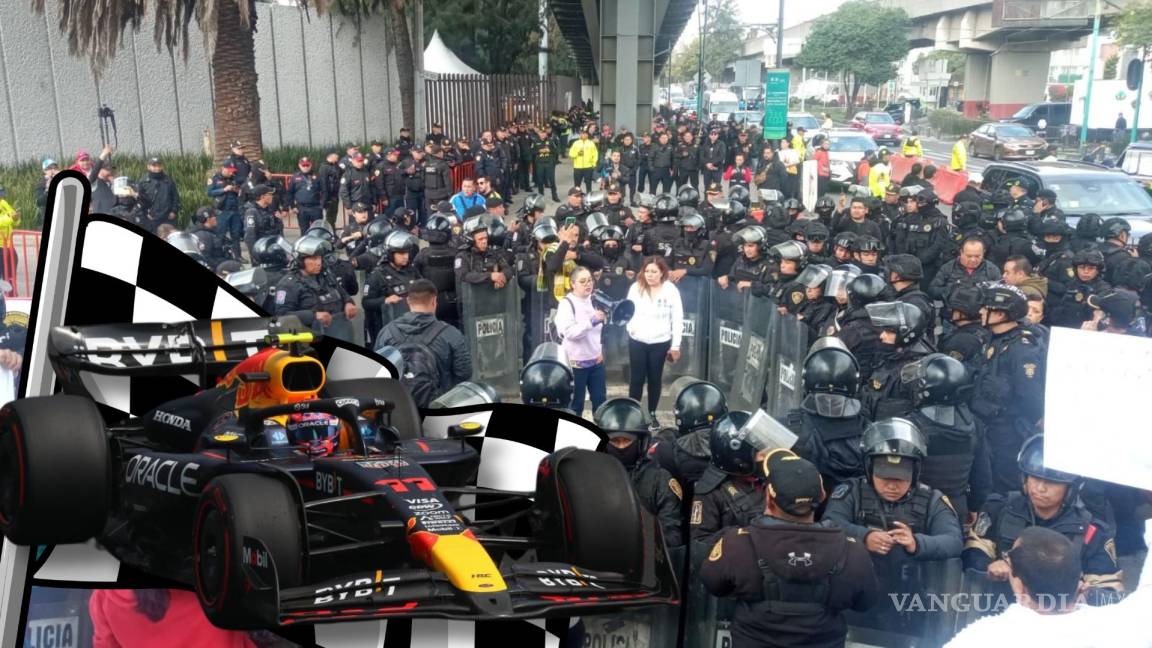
pixel 589 514
pixel 55 473
pixel 233 507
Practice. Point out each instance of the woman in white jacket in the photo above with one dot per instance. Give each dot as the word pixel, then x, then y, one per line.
pixel 654 331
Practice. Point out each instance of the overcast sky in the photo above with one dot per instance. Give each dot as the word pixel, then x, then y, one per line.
pixel 765 11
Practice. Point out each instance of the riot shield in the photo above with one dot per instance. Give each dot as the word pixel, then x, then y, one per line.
pixel 789 346
pixel 694 294
pixel 614 339
pixel 389 312
pixel 708 618
pixel 757 351
pixel 920 609
pixel 725 328
pixel 541 313
pixel 492 326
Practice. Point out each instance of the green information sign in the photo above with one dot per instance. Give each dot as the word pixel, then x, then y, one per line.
pixel 776 104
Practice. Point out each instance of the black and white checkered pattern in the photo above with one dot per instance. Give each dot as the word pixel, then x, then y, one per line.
pixel 124 274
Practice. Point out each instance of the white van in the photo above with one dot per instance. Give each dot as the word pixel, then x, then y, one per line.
pixel 723 103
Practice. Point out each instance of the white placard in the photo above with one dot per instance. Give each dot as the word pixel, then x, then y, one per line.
pixel 809 177
pixel 1096 384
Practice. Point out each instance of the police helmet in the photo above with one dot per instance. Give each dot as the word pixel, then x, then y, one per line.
pixel 1052 227
pixel 793 250
pixel 1144 246
pixel 610 233
pixel 621 415
pixel 688 196
pixel 793 203
pixel 775 217
pixel 866 243
pixel 698 404
pixel 893 448
pixel 1114 227
pixel 666 209
pixel 865 289
pixel 202 215
pixel 846 240
pixel 906 320
pixel 544 231
pixel 595 201
pixel 694 220
pixel 272 251
pixel 1089 257
pixel 731 451
pixel 472 227
pixel 1015 220
pixel 1001 296
pixel 437 229
pixel 497 231
pixel 815 231
pixel 1088 227
pixel 740 194
pixel 321 229
pixel 547 379
pixel 966 215
pixel 400 241
pixel 750 234
pixel 905 266
pixel 310 246
pixel 187 243
pixel 404 218
pixel 1000 198
pixel 1031 463
pixel 939 379
pixel 377 231
pixel 830 368
pixel 825 206
pixel 965 299
pixel 988 219
pixel 596 221
pixel 534 202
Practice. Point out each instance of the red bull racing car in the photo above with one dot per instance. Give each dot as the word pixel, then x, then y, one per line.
pixel 284 498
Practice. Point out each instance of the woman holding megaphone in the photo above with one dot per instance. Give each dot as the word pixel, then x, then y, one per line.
pixel 579 324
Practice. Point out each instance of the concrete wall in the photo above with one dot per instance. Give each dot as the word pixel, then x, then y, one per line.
pixel 322 80
pixel 1017 79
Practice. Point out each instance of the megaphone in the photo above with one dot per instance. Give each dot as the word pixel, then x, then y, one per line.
pixel 619 311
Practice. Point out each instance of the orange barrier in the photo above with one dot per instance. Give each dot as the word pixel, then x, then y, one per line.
pixel 21 260
pixel 947 183
pixel 466 169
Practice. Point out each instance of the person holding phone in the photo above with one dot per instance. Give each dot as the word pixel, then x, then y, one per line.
pixel 580 324
pixel 654 331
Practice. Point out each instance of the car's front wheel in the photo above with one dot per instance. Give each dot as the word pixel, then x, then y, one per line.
pixel 247 527
pixel 54 470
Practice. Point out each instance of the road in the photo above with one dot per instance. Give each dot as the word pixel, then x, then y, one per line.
pixel 940 152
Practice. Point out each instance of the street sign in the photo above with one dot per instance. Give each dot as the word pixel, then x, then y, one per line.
pixel 776 104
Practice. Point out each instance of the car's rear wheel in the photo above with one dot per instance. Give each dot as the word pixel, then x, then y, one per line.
pixel 54 470
pixel 589 513
pixel 234 508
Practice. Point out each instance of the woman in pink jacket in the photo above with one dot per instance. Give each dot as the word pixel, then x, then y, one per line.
pixel 579 325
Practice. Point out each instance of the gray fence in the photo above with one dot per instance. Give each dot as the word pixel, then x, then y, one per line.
pixel 322 80
pixel 468 104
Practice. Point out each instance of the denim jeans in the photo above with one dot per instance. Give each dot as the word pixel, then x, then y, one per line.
pixel 595 380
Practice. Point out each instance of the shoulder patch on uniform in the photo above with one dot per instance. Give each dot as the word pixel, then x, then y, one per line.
pixel 956 354
pixel 697 513
pixel 983 522
pixel 732 490
pixel 797 297
pixel 850 538
pixel 944 498
pixel 459 262
pixel 743 531
pixel 717 550
pixel 1071 272
pixel 1030 369
pixel 840 491
pixel 876 384
pixel 990 352
pixel 281 295
pixel 674 486
pixel 1110 549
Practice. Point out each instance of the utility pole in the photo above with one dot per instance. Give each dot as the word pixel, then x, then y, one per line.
pixel 700 64
pixel 1139 96
pixel 543 62
pixel 780 37
pixel 1093 52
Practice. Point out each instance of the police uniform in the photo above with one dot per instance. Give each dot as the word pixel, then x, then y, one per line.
pixel 304 295
pixel 437 182
pixel 957 460
pixel 258 223
pixel 212 245
pixel 691 252
pixel 661 494
pixel 356 186
pixel 1008 397
pixel 477 267
pixel 829 437
pixel 1072 309
pixel 721 501
pixel 1014 243
pixel 861 338
pixel 437 263
pixel 389 185
pixel 687 164
pixel 856 507
pixel 967 344
pixel 227 204
pixel 923 233
pixel 385 280
pixel 885 394
pixel 306 195
pixel 755 270
pixel 999 525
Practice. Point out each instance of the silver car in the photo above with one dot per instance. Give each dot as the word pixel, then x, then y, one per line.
pixel 848 148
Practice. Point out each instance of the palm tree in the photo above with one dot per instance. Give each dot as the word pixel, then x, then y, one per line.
pixel 395 14
pixel 95 29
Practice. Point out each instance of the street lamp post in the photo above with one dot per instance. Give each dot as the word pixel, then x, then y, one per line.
pixel 1092 53
pixel 700 64
pixel 1139 96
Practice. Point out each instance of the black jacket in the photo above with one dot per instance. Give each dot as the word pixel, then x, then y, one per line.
pixel 450 347
pixel 158 193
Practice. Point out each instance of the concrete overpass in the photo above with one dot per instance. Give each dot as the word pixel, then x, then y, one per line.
pixel 621 46
pixel 1008 42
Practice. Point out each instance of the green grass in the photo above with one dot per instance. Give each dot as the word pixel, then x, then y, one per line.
pixel 190 172
pixel 947 122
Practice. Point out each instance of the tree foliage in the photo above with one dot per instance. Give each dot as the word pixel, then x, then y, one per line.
pixel 399 40
pixel 1134 25
pixel 862 39
pixel 723 39
pixel 1110 65
pixel 492 36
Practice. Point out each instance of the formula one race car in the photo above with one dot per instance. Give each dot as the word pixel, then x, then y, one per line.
pixel 282 498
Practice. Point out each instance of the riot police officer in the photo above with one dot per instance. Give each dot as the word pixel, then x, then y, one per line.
pixel 789 260
pixel 967 338
pixel 1071 309
pixel 866 254
pixel 479 263
pixel 956 461
pixel 966 216
pixel 902 329
pixel 663 235
pixel 728 493
pixel 353 238
pixel 356 183
pixel 1014 238
pixel 751 270
pixel 905 274
pixel 690 253
pixel 617 211
pixel 626 424
pixel 856 328
pixel 1008 396
pixel 829 421
pixel 387 285
pixel 1049 498
pixel 436 263
pixel 1087 234
pixel 685 451
pixel 373 249
pixel 922 231
pixel 1052 237
pixel 1117 234
pixel 546 379
pixel 212 245
pixel 273 254
pixel 259 220
pixel 724 248
pixel 312 294
pixel 306 194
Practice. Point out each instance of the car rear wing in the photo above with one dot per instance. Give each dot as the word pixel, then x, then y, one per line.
pixel 157 349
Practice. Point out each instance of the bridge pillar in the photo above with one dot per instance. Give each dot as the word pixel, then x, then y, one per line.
pixel 627 49
pixel 977 72
pixel 1017 79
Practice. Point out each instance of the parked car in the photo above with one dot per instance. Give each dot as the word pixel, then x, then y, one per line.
pixel 896 110
pixel 804 120
pixel 1081 188
pixel 848 147
pixel 1136 161
pixel 999 140
pixel 879 125
pixel 1055 116
pixel 750 117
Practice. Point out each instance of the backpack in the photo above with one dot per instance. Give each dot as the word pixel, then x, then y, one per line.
pixel 421 368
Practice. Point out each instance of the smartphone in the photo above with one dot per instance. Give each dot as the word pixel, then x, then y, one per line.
pixel 570 221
